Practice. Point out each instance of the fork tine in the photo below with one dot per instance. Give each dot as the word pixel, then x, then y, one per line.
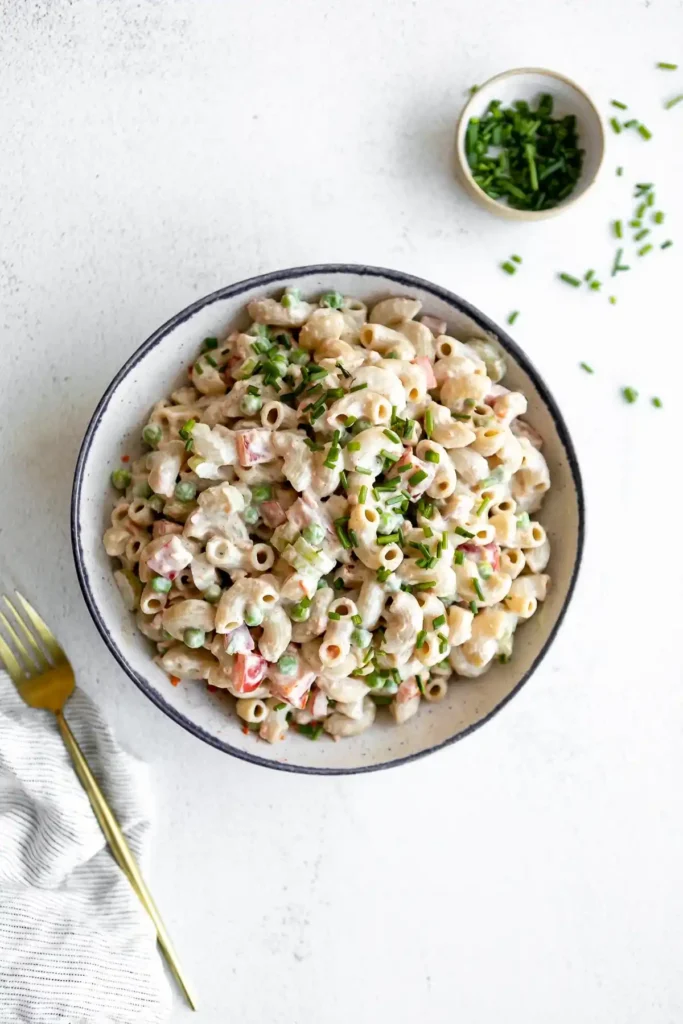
pixel 11 663
pixel 36 651
pixel 29 663
pixel 42 630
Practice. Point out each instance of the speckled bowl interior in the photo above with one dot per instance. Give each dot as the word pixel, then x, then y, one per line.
pixel 154 371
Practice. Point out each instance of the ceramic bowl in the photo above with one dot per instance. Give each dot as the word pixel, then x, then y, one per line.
pixel 154 371
pixel 528 84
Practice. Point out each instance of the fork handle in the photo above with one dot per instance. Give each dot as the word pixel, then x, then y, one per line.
pixel 120 849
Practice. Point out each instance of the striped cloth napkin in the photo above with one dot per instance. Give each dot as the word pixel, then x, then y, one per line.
pixel 76 946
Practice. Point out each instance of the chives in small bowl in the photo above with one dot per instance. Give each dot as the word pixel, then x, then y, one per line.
pixel 529 143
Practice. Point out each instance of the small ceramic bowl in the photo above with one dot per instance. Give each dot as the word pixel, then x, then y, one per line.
pixel 528 84
pixel 155 370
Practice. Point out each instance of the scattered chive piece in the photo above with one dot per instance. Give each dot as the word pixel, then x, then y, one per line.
pixel 513 316
pixel 383 575
pixel 667 244
pixel 353 446
pixel 588 275
pixel 473 607
pixel 672 102
pixel 631 124
pixel 358 387
pixel 431 456
pixel 280 707
pixel 617 261
pixel 645 250
pixel 618 230
pixel 568 279
pixel 462 532
pixel 429 423
pixel 392 436
pixel 425 585
pixel 658 217
pixel 335 616
pixel 439 621
pixel 595 286
pixel 630 394
pixel 618 105
pixel 616 127
pixel 640 212
pixel 362 495
pixel 613 300
pixel 417 478
pixel 641 234
pixel 650 199
pixel 365 472
pixel 315 728
pixel 657 402
pixel 459 557
pixel 644 132
pixel 476 586
pixel 667 67
pixel 508 267
pixel 344 480
pixel 353 537
pixel 343 536
pixel 484 505
pixel 516 259
pixel 387 538
pixel 420 638
pixel 635 223
pixel 586 367
pixel 620 171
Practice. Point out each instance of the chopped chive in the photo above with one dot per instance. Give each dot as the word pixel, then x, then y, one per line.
pixel 343 536
pixel 439 621
pixel 425 585
pixel 635 223
pixel 365 472
pixel 353 446
pixel 618 231
pixel 508 267
pixel 620 171
pixel 387 538
pixel 462 532
pixel 588 275
pixel 417 478
pixel 314 729
pixel 429 423
pixel 362 495
pixel 443 643
pixel 672 102
pixel 640 211
pixel 484 505
pixel 476 586
pixel 459 557
pixel 641 234
pixel 617 261
pixel 667 67
pixel 631 124
pixel 618 105
pixel 568 279
pixel 644 132
pixel 344 371
pixel 650 201
pixel 586 367
pixel 358 387
pixel 353 537
pixel 408 429
pixel 513 316
pixel 515 258
pixel 657 402
pixel 392 436
pixel 280 706
pixel 630 394
pixel 211 361
pixel 616 127
pixel 420 638
pixel 344 480
pixel 473 607
pixel 383 575
pixel 595 286
pixel 667 244
pixel 335 616
pixel 431 456
pixel 613 300
pixel 405 467
pixel 427 531
pixel 658 217
pixel 644 250
pixel 209 343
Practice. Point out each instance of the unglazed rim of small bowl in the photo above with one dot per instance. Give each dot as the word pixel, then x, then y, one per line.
pixel 463 167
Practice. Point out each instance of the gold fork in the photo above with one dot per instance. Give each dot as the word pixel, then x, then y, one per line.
pixel 47 682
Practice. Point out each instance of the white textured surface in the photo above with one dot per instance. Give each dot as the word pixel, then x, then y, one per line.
pixel 154 151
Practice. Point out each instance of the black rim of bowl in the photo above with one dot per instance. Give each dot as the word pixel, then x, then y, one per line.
pixel 266 281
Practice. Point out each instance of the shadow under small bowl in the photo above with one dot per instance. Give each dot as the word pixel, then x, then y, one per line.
pixel 155 370
pixel 568 98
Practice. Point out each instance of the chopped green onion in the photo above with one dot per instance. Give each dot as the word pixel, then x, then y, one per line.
pixel 332 299
pixel 473 607
pixel 344 480
pixel 160 585
pixel 354 446
pixel 658 217
pixel 383 575
pixel 429 423
pixel 657 402
pixel 358 387
pixel 388 538
pixel 335 616
pixel 618 230
pixel 568 279
pixel 667 67
pixel 420 638
pixel 641 234
pixel 280 706
pixel 640 211
pixel 432 456
pixel 209 343
pixel 644 132
pixel 589 275
pixel 508 267
pixel 672 102
pixel 365 472
pixel 667 244
pixel 513 316
pixel 586 367
pixel 459 557
pixel 312 730
pixel 476 586
pixel 187 428
pixel 616 127
pixel 595 286
pixel 439 621
pixel 620 171
pixel 630 394
pixel 618 105
pixel 343 536
pixel 644 250
pixel 343 369
pixel 462 532
pixel 417 478
pixel 613 300
pixel 198 368
pixel 484 505
pixel 515 258
pixel 408 429
pixel 425 585
pixel 392 436
pixel 362 495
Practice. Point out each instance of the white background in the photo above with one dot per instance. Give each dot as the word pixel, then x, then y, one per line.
pixel 151 152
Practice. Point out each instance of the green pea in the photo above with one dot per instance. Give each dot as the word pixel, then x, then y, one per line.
pixel 287 664
pixel 332 299
pixel 299 357
pixel 185 490
pixel 151 434
pixel 212 594
pixel 262 492
pixel 251 404
pixel 160 584
pixel 194 637
pixel 314 534
pixel 141 489
pixel 157 502
pixel 120 478
pixel 300 612
pixel 251 515
pixel 253 616
pixel 361 638
pixel 290 298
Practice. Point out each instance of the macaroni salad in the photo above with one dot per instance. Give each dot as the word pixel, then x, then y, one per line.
pixel 333 515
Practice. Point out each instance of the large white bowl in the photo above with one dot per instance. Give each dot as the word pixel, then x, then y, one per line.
pixel 154 371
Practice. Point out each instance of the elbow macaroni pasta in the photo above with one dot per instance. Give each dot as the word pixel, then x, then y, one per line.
pixel 334 515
